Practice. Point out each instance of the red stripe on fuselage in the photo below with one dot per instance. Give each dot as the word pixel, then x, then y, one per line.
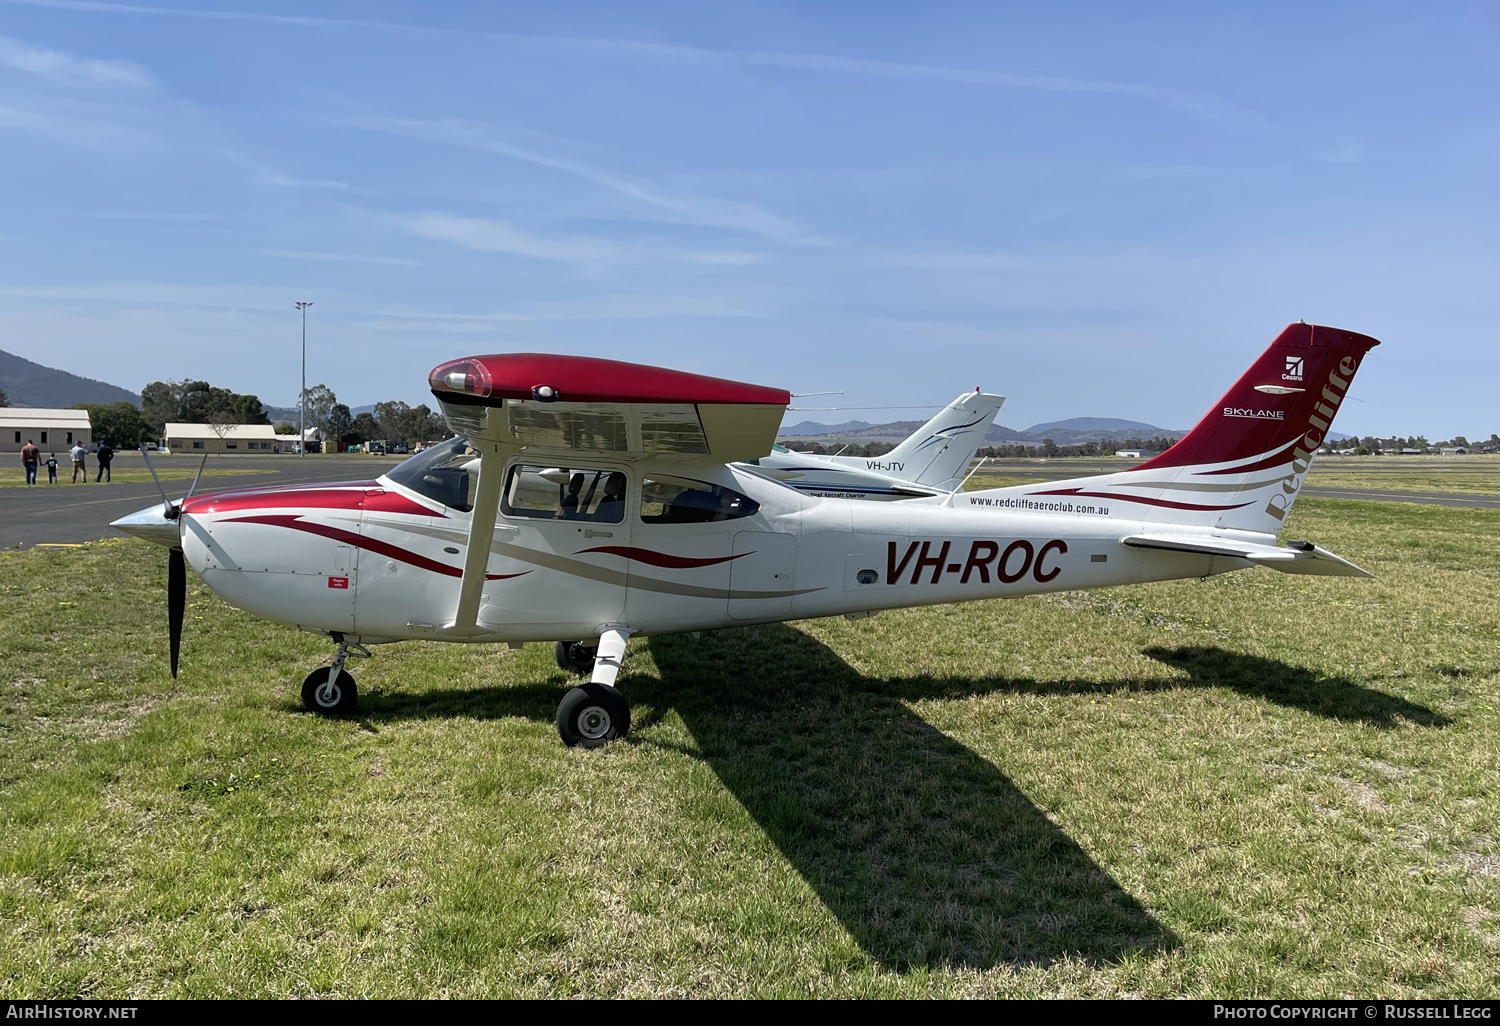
pixel 1167 503
pixel 296 523
pixel 661 559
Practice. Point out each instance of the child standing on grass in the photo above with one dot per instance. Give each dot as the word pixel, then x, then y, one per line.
pixel 52 468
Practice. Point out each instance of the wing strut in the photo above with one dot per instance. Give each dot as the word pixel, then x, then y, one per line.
pixel 481 532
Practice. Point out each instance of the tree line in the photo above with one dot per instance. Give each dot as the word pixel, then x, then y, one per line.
pixel 189 401
pixel 1047 448
pixel 1370 445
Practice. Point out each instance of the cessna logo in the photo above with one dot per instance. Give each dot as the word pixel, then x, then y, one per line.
pixel 1232 411
pixel 1318 420
pixel 1293 369
pixel 1010 563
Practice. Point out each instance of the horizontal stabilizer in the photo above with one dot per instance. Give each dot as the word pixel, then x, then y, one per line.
pixel 1293 558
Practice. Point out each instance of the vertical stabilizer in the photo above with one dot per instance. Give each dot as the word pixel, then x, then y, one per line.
pixel 1241 466
pixel 939 452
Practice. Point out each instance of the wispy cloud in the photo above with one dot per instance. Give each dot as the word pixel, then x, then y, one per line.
pixel 725 258
pixel 605 307
pixel 1191 101
pixel 59 66
pixel 501 237
pixel 287 182
pixel 347 258
pixel 699 210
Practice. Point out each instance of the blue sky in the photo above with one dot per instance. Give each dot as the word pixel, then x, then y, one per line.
pixel 1095 209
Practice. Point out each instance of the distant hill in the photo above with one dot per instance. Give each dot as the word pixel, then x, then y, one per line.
pixel 1064 432
pixel 811 428
pixel 1077 430
pixel 30 384
pixel 1097 424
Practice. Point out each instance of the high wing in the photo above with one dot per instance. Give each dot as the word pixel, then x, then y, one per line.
pixel 571 404
pixel 562 405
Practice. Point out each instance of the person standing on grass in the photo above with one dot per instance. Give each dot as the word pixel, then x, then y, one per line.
pixel 105 456
pixel 77 454
pixel 30 457
pixel 52 468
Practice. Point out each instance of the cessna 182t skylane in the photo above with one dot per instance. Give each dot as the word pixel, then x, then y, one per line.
pixel 596 500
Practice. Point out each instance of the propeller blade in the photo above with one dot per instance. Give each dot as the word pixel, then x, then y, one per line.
pixel 176 601
pixel 166 503
pixel 203 463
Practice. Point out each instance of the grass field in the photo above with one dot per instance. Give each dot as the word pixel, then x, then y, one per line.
pixel 1478 475
pixel 1254 785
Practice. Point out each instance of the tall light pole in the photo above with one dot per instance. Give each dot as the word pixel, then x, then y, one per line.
pixel 302 396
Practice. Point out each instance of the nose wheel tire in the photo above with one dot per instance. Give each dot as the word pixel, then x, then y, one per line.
pixel 575 657
pixel 591 715
pixel 329 697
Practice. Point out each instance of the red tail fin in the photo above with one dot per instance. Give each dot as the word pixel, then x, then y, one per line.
pixel 1288 396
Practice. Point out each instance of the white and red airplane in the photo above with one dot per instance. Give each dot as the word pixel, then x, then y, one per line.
pixel 587 501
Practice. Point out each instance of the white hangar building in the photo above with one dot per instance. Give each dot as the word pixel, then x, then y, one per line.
pixel 51 430
pixel 256 438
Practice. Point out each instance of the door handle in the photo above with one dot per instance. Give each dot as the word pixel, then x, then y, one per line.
pixel 590 533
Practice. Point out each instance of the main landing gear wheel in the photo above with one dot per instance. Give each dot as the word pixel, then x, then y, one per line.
pixel 331 698
pixel 591 715
pixel 575 657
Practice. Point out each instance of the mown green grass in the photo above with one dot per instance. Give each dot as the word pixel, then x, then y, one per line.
pixel 1254 785
pixel 1473 474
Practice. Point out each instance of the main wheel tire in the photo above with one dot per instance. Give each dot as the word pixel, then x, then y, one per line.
pixel 575 657
pixel 591 715
pixel 329 699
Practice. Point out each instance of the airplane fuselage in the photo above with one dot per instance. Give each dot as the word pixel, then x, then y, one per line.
pixel 377 561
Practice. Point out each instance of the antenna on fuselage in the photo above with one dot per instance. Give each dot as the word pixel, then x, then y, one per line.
pixel 949 500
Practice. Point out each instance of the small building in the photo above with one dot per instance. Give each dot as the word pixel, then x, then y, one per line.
pixel 1135 454
pixel 193 438
pixel 50 430
pixel 1456 450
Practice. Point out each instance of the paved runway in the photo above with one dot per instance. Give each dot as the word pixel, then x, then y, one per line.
pixel 69 514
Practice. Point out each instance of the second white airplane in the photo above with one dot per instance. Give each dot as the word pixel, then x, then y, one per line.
pixel 931 461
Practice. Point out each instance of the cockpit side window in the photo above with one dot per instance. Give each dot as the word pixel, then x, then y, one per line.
pixel 564 493
pixel 677 500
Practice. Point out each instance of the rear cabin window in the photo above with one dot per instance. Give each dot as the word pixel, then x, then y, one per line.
pixel 565 493
pixel 678 500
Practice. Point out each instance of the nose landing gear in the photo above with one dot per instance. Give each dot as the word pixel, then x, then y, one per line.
pixel 595 713
pixel 329 690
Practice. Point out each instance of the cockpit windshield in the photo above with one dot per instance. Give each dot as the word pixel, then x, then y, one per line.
pixel 446 472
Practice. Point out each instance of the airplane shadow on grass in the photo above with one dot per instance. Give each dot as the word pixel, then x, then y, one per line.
pixel 925 851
